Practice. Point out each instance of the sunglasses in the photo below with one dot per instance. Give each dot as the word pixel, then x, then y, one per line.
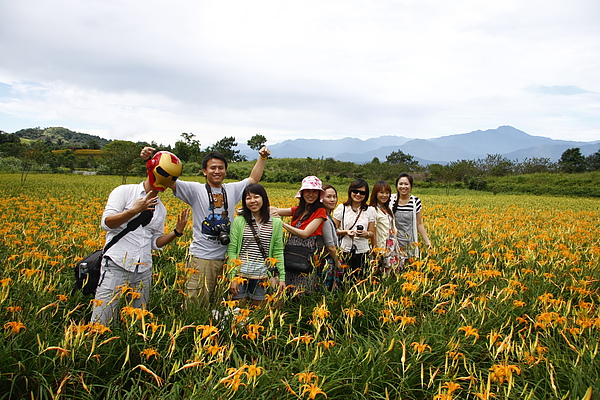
pixel 361 192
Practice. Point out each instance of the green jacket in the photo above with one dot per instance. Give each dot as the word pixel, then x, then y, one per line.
pixel 236 235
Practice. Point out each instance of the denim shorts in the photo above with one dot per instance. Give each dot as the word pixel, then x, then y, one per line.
pixel 251 289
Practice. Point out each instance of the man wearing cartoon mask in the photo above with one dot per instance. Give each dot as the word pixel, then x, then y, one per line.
pixel 128 263
pixel 213 207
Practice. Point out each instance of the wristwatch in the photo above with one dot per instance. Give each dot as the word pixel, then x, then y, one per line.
pixel 178 234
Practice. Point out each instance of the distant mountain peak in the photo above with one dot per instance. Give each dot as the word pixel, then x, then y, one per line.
pixel 504 140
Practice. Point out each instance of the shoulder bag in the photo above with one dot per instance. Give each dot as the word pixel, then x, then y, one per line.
pixel 87 271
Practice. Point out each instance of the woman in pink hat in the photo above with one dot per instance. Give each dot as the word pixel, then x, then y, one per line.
pixel 305 229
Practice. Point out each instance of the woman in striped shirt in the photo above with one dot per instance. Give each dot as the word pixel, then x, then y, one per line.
pixel 255 253
pixel 408 216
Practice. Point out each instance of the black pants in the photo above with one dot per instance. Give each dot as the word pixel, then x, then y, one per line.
pixel 358 265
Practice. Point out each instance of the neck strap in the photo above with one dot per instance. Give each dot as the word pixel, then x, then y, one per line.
pixel 211 198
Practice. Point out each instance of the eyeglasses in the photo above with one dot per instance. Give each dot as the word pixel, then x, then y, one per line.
pixel 361 192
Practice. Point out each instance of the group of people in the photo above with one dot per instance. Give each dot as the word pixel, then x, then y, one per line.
pixel 327 243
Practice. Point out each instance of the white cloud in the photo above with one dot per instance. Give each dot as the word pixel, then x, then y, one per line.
pixel 149 70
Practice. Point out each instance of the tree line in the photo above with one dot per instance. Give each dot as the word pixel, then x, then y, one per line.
pixel 122 158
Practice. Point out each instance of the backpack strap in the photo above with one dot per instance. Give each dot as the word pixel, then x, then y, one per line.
pixel 141 220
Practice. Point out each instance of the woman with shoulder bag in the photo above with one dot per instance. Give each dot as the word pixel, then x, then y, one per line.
pixel 355 222
pixel 255 252
pixel 305 229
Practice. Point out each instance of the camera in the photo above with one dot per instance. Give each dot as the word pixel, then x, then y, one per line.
pixel 217 228
pixel 360 228
pixel 221 231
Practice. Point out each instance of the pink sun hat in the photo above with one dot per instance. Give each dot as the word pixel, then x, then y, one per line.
pixel 311 182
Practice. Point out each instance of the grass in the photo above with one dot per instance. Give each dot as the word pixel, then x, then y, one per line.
pixel 507 305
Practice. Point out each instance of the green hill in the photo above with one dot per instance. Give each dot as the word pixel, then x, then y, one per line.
pixel 62 138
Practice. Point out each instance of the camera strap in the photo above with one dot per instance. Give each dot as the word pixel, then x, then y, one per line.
pixel 211 200
pixel 344 218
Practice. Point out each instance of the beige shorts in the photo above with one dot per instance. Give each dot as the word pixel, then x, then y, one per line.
pixel 203 280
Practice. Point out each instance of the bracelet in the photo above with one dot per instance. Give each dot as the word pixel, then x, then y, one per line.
pixel 178 234
pixel 264 158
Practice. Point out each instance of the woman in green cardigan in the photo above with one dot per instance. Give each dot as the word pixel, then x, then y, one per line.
pixel 255 252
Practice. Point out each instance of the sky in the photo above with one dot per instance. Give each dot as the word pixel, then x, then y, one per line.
pixel 148 70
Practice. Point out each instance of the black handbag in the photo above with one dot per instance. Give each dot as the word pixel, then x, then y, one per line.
pixel 87 271
pixel 298 259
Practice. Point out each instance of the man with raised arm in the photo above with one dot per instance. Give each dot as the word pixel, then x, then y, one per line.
pixel 213 208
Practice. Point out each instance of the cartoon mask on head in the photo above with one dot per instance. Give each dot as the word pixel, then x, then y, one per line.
pixel 163 169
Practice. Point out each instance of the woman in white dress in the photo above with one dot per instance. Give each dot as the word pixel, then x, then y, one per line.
pixel 385 248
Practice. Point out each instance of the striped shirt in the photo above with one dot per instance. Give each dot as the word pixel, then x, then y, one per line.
pixel 408 207
pixel 253 263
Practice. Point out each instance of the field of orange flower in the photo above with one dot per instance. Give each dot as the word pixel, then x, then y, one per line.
pixel 506 307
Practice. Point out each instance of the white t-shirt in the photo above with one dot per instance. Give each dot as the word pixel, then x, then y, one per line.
pixel 349 220
pixel 204 245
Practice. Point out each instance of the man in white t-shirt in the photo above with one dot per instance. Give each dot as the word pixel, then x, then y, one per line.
pixel 213 208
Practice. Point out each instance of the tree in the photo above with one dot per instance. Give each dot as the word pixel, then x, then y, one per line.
pixel 226 146
pixel 495 165
pixel 380 171
pixel 10 145
pixel 462 169
pixel 441 173
pixel 257 141
pixel 188 149
pixel 399 157
pixel 121 157
pixel 535 165
pixel 31 154
pixel 593 161
pixel 9 138
pixel 572 161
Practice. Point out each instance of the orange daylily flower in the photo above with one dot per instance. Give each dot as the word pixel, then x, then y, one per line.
pixel 420 347
pixel 306 377
pixel 470 331
pixel 14 327
pixel 306 339
pixel 149 352
pixel 207 330
pixel 313 390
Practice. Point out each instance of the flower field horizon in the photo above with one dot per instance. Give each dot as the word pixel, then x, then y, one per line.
pixel 505 307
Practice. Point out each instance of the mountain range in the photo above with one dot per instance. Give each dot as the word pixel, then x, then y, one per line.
pixel 507 141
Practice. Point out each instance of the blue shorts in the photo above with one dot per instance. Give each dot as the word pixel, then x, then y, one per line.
pixel 253 289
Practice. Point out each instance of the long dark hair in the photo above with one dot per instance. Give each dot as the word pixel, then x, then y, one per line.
pixel 410 180
pixel 381 186
pixel 256 188
pixel 358 183
pixel 303 206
